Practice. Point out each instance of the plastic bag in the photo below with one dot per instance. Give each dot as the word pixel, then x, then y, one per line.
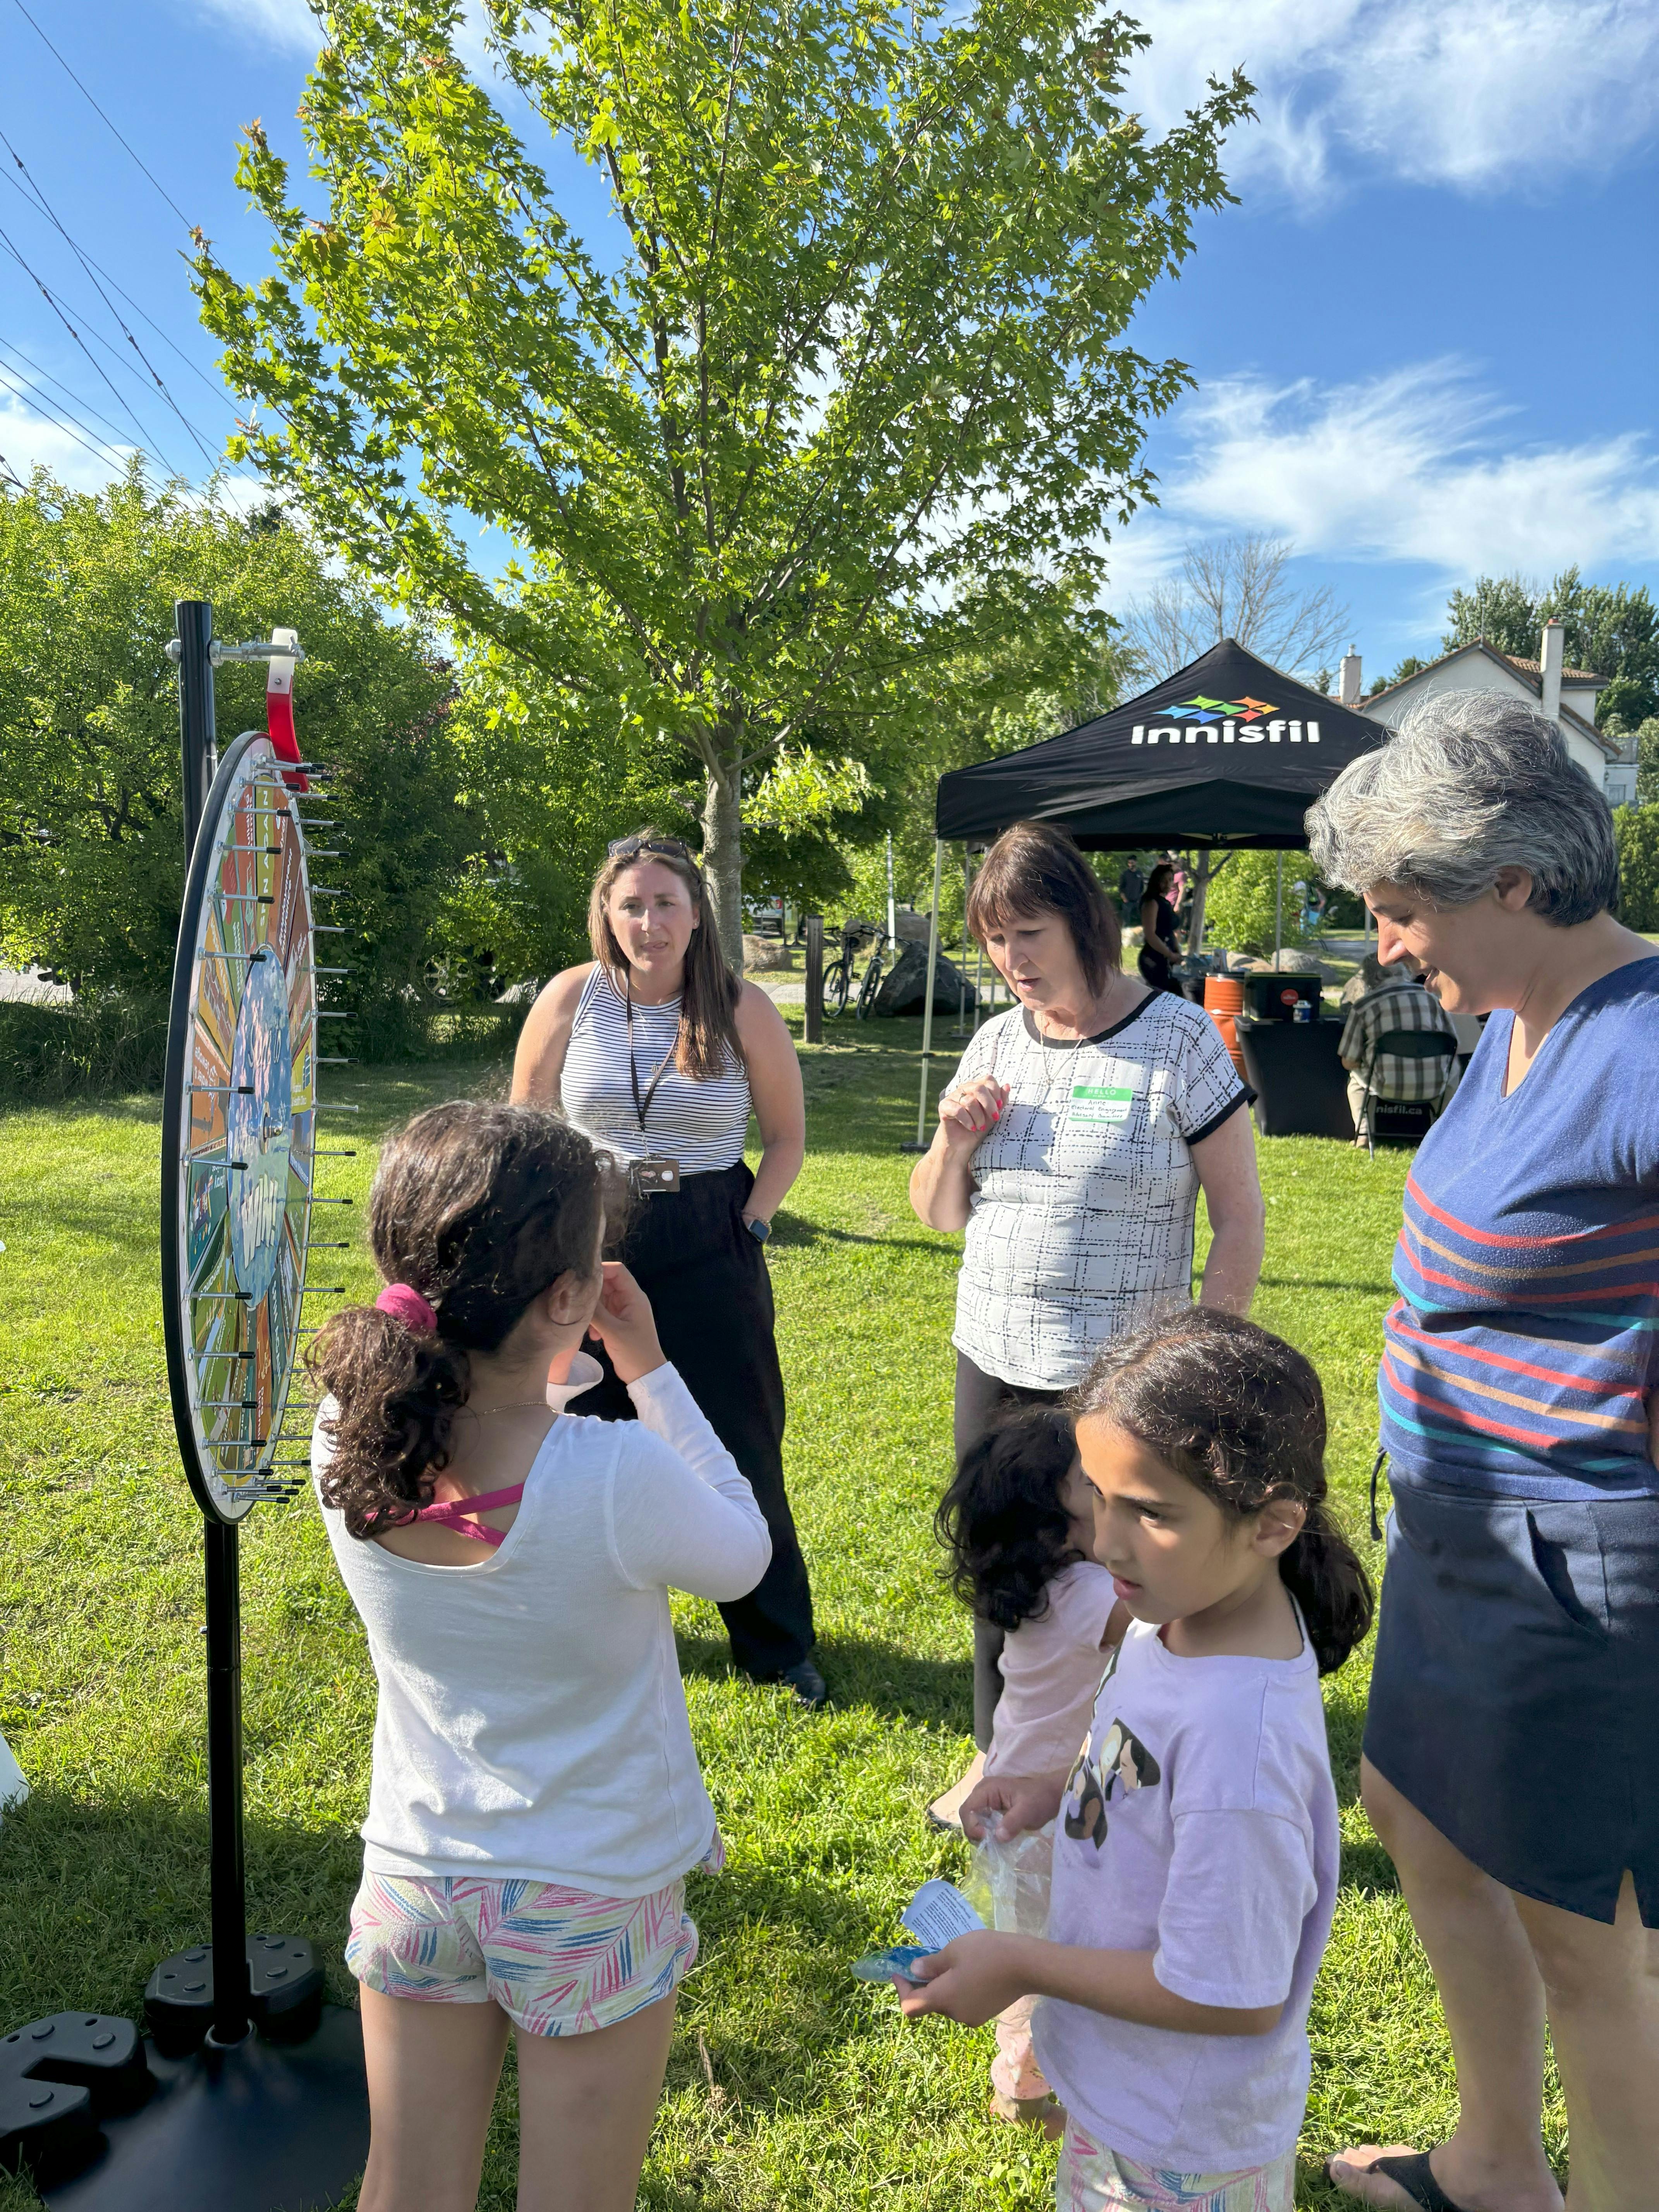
pixel 1008 1882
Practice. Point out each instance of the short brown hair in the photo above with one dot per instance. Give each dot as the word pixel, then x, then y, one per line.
pixel 1034 869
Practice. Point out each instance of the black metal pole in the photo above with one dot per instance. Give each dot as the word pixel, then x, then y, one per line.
pixel 224 1658
pixel 221 1559
pixel 196 730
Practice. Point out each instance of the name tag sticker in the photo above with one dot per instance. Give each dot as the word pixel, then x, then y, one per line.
pixel 1100 1105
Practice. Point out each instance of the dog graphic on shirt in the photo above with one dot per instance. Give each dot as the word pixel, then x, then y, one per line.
pixel 1122 1762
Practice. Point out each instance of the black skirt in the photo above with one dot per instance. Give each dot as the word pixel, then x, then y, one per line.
pixel 1515 1699
pixel 706 1279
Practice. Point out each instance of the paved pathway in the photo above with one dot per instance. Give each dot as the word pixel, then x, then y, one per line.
pixel 29 983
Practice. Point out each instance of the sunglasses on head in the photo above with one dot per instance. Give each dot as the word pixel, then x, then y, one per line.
pixel 671 845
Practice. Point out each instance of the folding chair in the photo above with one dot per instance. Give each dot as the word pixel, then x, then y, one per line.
pixel 1404 1044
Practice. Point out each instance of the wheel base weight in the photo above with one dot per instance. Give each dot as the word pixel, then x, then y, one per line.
pixel 252 2128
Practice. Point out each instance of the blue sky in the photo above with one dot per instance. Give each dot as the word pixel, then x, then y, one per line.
pixel 1425 341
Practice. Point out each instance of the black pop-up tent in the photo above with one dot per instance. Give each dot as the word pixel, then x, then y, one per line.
pixel 1227 753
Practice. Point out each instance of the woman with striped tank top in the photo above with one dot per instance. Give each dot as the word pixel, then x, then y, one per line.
pixel 659 1054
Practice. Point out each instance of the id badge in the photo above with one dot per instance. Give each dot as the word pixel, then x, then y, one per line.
pixel 1100 1105
pixel 651 1176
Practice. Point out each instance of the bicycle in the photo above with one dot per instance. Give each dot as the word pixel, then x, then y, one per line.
pixel 838 975
pixel 871 983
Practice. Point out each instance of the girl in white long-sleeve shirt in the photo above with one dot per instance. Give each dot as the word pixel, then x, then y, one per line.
pixel 536 1802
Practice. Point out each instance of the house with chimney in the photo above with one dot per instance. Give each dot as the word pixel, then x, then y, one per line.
pixel 1567 695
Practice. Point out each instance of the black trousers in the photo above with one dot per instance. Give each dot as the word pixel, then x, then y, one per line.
pixel 979 1398
pixel 706 1279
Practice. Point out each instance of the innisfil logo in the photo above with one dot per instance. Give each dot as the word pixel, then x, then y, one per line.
pixel 1225 722
pixel 1197 709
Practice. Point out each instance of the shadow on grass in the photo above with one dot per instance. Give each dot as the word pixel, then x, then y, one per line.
pixel 96 1894
pixel 938 1693
pixel 793 1232
pixel 786 1998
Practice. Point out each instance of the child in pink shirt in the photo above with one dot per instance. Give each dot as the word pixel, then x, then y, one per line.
pixel 1018 1521
pixel 1195 1859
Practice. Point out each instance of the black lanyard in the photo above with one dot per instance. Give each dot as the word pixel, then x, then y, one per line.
pixel 642 1106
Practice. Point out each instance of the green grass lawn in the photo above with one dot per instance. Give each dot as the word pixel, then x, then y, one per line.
pixel 791 2086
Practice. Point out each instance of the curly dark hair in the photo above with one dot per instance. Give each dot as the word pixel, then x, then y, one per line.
pixel 479 1208
pixel 1003 1520
pixel 1240 1413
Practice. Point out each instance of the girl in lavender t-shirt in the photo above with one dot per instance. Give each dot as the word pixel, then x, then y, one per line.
pixel 1195 1854
pixel 1018 1522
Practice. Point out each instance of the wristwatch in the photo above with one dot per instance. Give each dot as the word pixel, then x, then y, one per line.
pixel 759 1229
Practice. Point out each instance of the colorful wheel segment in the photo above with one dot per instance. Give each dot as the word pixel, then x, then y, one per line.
pixel 238 1140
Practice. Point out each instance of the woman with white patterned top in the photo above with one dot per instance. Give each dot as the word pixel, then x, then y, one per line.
pixel 1072 1143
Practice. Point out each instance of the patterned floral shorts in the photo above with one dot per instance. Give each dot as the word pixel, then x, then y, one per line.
pixel 1094 2179
pixel 557 1961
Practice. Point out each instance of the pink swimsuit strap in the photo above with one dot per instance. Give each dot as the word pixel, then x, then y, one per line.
pixel 452 1512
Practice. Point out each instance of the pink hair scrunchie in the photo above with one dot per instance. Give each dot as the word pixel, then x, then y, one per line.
pixel 406 1302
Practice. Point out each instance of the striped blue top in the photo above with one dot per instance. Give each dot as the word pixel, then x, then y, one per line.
pixel 1526 1336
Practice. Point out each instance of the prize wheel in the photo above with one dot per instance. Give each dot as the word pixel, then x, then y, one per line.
pixel 239 1122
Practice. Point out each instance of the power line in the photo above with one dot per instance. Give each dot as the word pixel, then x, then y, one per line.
pixel 10 382
pixel 144 437
pixel 92 104
pixel 95 271
pixel 143 312
pixel 50 212
pixel 201 376
pixel 70 397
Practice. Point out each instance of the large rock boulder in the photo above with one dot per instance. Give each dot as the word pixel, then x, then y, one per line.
pixel 765 955
pixel 904 990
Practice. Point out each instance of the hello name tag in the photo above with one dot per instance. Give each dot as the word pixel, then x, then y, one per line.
pixel 1100 1105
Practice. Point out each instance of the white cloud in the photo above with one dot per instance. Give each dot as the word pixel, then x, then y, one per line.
pixel 290 26
pixel 287 25
pixel 1486 95
pixel 29 441
pixel 1406 467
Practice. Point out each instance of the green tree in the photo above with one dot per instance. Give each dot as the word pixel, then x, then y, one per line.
pixel 774 445
pixel 91 824
pixel 1611 630
pixel 1054 671
pixel 1501 609
pixel 1637 828
pixel 1238 906
pixel 1409 666
pixel 1647 761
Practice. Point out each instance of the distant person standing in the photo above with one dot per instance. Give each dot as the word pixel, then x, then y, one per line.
pixel 1158 948
pixel 659 1053
pixel 1130 888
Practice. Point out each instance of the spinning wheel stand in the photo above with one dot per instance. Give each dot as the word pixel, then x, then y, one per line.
pixel 249 2094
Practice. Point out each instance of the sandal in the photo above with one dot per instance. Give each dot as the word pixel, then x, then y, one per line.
pixel 1411 2172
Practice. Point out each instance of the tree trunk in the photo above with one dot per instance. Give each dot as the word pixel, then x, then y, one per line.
pixel 722 861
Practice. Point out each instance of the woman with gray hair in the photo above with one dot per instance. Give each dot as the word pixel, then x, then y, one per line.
pixel 1509 1761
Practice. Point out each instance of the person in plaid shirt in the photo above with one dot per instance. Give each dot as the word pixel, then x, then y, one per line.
pixel 1393 1000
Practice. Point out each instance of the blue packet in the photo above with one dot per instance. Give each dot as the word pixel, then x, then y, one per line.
pixel 882 1965
pixel 939 1913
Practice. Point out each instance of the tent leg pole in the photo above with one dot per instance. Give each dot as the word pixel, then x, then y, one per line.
pixel 921 1144
pixel 1196 934
pixel 1278 905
